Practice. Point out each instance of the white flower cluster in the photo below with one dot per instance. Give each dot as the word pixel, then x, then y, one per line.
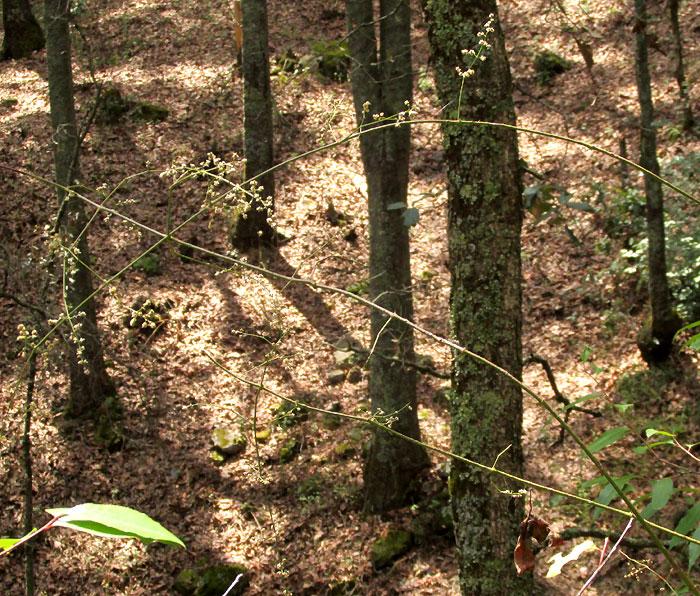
pixel 477 55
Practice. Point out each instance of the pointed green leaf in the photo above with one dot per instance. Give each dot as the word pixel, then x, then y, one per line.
pixel 608 438
pixel 6 543
pixel 693 550
pixel 687 523
pixel 582 399
pixel 660 494
pixel 395 206
pixel 114 521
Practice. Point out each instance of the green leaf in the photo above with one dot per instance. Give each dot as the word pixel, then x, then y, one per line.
pixel 623 407
pixel 395 206
pixel 410 217
pixel 558 560
pixel 693 343
pixel 586 354
pixel 650 432
pixel 6 543
pixel 693 550
pixel 114 521
pixel 687 523
pixel 608 438
pixel 620 480
pixel 660 494
pixel 582 399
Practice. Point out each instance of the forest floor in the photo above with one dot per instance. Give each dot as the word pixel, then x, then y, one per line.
pixel 297 525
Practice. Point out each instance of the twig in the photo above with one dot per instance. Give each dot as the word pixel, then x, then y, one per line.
pixel 559 396
pixel 428 370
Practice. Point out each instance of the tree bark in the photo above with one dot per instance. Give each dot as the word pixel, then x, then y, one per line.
pixel 251 228
pixel 383 78
pixel 23 35
pixel 89 382
pixel 484 213
pixel 655 343
pixel 679 70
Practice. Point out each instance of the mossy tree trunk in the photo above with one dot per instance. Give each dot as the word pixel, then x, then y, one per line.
pixel 679 70
pixel 23 35
pixel 89 382
pixel 484 213
pixel 382 76
pixel 655 343
pixel 252 227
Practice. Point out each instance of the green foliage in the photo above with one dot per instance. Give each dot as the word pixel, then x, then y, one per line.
pixel 113 521
pixel 149 264
pixel 333 59
pixel 643 386
pixel 552 202
pixel 107 521
pixel 609 437
pixel 410 215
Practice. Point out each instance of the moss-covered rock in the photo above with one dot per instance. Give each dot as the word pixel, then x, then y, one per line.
pixel 228 442
pixel 186 582
pixel 216 457
pixel 344 450
pixel 549 64
pixel 215 580
pixel 113 106
pixel 212 581
pixel 262 435
pixel 150 112
pixel 389 548
pixel 333 60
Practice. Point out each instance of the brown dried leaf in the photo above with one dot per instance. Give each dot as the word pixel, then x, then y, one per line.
pixel 523 557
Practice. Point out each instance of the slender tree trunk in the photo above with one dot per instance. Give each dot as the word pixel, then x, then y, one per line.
pixel 654 343
pixel 28 513
pixel 384 80
pixel 679 70
pixel 23 35
pixel 484 213
pixel 89 383
pixel 252 228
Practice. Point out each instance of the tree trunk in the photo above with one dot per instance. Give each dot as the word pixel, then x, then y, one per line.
pixel 654 343
pixel 23 35
pixel 89 383
pixel 679 70
pixel 251 228
pixel 484 223
pixel 385 81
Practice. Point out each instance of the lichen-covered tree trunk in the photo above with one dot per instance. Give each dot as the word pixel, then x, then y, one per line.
pixel 655 342
pixel 23 35
pixel 252 228
pixel 382 83
pixel 89 382
pixel 679 70
pixel 484 224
